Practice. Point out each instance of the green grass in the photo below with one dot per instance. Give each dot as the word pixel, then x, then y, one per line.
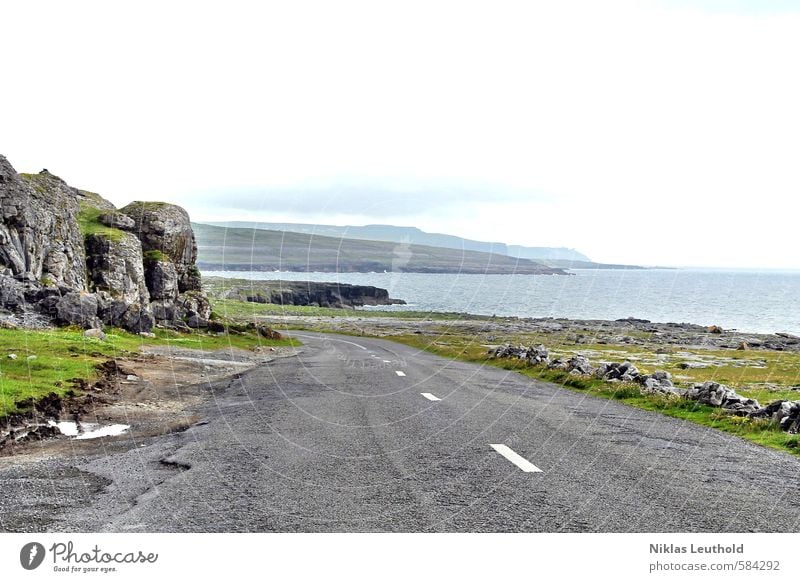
pixel 245 309
pixel 89 223
pixel 145 205
pixel 779 369
pixel 758 431
pixel 64 354
pixel 155 256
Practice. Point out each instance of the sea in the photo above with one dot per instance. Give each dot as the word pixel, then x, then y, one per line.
pixel 759 301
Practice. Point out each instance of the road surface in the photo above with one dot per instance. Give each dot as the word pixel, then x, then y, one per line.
pixel 357 434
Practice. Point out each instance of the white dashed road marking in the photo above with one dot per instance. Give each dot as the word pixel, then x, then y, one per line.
pixel 399 373
pixel 334 340
pixel 430 396
pixel 519 461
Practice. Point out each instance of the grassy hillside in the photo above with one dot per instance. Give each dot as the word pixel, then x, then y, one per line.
pixel 412 235
pixel 243 249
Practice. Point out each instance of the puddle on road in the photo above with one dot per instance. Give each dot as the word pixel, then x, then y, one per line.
pixel 89 430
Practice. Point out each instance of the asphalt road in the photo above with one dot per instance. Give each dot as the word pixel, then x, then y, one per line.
pixel 357 434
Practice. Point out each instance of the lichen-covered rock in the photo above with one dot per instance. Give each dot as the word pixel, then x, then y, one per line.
pixel 40 239
pixel 95 333
pixel 93 200
pixel 164 312
pixel 659 382
pixel 711 393
pixel 535 355
pixel 194 309
pixel 580 364
pixel 558 364
pixel 117 220
pixel 162 278
pixel 538 355
pixel 69 257
pixel 507 351
pixel 12 295
pixel 716 394
pixel 135 317
pixel 190 309
pixel 624 372
pixel 77 308
pixel 577 365
pixel 785 413
pixel 166 228
pixel 268 332
pixel 138 319
pixel 116 265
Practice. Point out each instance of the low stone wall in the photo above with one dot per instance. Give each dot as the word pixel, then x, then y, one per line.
pixel 785 413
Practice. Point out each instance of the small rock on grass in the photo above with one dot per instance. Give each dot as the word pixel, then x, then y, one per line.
pixel 95 333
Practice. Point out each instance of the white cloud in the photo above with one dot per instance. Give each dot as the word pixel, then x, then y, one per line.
pixel 672 127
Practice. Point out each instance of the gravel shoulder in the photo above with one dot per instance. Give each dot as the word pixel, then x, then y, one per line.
pixel 42 479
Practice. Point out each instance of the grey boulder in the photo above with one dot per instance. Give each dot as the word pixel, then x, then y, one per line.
pixel 716 394
pixel 77 308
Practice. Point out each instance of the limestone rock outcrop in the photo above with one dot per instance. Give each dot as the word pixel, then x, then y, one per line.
pixel 115 264
pixel 115 271
pixel 72 257
pixel 167 229
pixel 40 240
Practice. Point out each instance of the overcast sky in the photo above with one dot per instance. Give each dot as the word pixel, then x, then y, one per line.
pixel 641 132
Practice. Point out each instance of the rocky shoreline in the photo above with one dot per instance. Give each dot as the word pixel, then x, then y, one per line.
pixel 633 331
pixel 627 332
pixel 303 293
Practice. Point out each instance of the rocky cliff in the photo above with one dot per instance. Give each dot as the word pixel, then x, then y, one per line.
pixel 70 257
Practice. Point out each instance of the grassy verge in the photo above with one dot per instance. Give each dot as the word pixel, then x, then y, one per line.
pixel 762 432
pixel 46 360
pixel 763 375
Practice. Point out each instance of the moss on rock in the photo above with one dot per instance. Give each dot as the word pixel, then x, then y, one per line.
pixel 90 225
